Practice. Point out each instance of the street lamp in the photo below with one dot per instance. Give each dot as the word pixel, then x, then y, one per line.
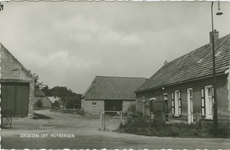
pixel 215 119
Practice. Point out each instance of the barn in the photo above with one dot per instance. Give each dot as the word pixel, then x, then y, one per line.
pixel 108 93
pixel 17 85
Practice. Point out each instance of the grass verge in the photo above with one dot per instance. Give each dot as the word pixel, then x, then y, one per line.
pixel 145 126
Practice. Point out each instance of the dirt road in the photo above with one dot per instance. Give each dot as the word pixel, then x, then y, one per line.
pixel 79 132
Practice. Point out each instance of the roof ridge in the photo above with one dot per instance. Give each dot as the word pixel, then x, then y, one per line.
pixel 187 67
pixel 208 44
pixel 122 77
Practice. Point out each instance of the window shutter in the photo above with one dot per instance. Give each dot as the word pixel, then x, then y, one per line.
pixel 203 103
pixel 212 96
pixel 173 105
pixel 179 104
pixel 213 101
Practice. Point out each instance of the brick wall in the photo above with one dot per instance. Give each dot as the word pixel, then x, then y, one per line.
pixel 92 109
pixel 222 95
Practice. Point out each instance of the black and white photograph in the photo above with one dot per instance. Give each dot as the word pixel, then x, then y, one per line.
pixel 97 74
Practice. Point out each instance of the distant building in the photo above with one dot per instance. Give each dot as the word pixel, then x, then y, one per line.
pixel 40 96
pixel 186 84
pixel 54 99
pixel 17 85
pixel 110 94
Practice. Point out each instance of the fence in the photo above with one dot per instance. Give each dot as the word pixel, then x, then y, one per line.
pixel 110 120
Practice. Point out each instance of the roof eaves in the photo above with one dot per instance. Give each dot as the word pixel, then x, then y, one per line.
pixel 185 81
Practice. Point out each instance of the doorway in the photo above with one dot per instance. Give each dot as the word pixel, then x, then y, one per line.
pixel 15 96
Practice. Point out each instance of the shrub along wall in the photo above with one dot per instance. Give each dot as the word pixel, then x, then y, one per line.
pixel 145 126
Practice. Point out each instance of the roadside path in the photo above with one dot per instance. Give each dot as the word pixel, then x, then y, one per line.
pixel 87 136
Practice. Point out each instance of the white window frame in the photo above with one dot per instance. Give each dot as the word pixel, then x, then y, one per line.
pixel 177 103
pixel 209 102
pixel 190 105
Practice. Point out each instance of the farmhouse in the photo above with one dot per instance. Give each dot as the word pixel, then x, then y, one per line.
pixel 17 85
pixel 55 99
pixel 41 97
pixel 185 84
pixel 110 94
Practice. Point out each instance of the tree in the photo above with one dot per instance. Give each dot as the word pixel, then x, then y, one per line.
pixel 69 99
pixel 39 103
pixel 74 101
pixel 46 91
pixel 38 83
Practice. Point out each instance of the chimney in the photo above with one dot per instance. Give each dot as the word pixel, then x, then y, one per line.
pixel 216 35
pixel 165 63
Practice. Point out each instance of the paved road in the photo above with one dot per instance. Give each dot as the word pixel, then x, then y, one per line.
pixel 87 136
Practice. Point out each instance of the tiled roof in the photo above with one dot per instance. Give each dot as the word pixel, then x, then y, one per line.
pixel 3 49
pixel 38 92
pixel 194 65
pixel 53 98
pixel 113 88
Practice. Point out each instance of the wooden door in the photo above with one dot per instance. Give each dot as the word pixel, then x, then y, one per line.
pixel 8 94
pixel 22 100
pixel 16 97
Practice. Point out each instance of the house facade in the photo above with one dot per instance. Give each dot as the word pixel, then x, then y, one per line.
pixel 55 99
pixel 185 85
pixel 40 96
pixel 110 94
pixel 17 85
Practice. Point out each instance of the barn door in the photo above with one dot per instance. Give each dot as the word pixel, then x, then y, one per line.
pixel 113 105
pixel 8 94
pixel 22 100
pixel 15 96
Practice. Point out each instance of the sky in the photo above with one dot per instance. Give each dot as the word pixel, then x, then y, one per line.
pixel 69 43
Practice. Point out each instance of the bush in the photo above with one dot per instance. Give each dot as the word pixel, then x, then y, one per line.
pixel 223 130
pixel 131 111
pixel 157 123
pixel 138 123
pixel 56 104
pixel 145 126
pixel 39 103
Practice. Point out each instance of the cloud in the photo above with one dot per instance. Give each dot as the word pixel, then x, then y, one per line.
pixel 70 43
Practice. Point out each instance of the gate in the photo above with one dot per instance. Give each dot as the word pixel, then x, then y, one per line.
pixel 110 120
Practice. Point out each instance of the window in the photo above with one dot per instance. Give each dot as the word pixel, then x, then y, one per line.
pixel 15 73
pixel 165 96
pixel 176 103
pixel 200 60
pixel 94 103
pixel 218 54
pixel 207 102
pixel 190 105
